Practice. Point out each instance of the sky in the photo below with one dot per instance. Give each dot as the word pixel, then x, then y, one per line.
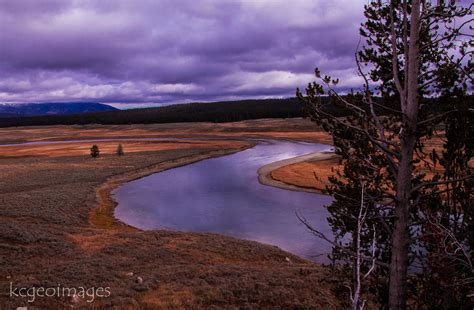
pixel 132 53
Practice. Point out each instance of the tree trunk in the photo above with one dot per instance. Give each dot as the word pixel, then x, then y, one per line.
pixel 400 235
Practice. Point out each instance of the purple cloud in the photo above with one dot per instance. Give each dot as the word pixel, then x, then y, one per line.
pixel 146 51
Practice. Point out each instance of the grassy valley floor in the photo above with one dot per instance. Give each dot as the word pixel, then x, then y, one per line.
pixel 57 228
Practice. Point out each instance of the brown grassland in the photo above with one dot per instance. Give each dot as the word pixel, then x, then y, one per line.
pixel 57 224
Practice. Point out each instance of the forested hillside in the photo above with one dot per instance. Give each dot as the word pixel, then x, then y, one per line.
pixel 226 111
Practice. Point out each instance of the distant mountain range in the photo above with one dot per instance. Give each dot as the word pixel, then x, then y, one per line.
pixel 52 108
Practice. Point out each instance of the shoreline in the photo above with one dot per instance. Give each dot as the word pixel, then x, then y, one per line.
pixel 265 172
pixel 102 213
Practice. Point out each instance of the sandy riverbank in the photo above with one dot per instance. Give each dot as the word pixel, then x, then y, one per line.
pixel 266 174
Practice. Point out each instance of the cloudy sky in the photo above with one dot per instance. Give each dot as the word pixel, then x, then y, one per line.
pixel 171 51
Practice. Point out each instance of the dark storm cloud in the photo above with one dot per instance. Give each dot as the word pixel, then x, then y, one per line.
pixel 171 51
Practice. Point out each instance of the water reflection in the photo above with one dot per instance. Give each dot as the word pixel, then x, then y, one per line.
pixel 223 195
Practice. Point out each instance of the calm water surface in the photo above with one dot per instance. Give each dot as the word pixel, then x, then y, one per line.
pixel 223 195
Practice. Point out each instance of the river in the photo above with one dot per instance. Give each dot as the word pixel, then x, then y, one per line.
pixel 223 195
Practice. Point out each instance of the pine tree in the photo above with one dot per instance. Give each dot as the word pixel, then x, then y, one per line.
pixel 417 57
pixel 95 152
pixel 119 150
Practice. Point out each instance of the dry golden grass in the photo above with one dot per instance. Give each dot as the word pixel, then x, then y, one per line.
pixel 95 241
pixel 302 129
pixel 308 174
pixel 106 147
